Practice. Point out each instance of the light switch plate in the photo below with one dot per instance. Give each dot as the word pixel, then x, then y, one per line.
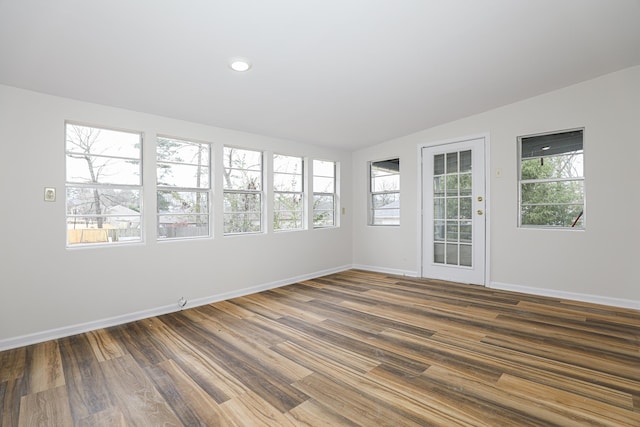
pixel 49 194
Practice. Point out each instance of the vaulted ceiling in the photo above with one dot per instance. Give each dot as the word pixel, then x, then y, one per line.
pixel 339 73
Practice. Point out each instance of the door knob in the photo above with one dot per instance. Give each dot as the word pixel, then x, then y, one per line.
pixel 480 212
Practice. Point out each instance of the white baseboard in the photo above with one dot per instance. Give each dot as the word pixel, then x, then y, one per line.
pixel 595 299
pixel 66 331
pixel 385 270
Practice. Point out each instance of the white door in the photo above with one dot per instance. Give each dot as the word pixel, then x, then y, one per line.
pixel 453 203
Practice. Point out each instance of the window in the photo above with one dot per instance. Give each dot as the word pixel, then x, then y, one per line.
pixel 288 196
pixel 103 185
pixel 182 176
pixel 385 192
pixel 242 191
pixel 324 193
pixel 552 180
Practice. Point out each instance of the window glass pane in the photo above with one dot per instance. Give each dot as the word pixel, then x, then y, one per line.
pixel 324 187
pixel 102 170
pixel 242 159
pixel 242 223
pixel 323 208
pixel 555 192
pixel 106 215
pixel 323 184
pixel 182 226
pixel 287 182
pixel 108 162
pixel 322 168
pixel 287 164
pixel 552 180
pixel 236 179
pixel 562 166
pixel 183 202
pixel 386 183
pixel 178 151
pixel 185 176
pixel 87 140
pixel 552 215
pixel 242 202
pixel 386 201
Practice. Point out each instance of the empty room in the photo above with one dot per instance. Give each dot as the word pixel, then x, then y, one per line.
pixel 319 213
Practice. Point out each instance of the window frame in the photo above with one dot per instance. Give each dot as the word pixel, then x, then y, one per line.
pixel 579 223
pixel 184 189
pixel 333 194
pixel 300 194
pixel 229 191
pixel 110 238
pixel 373 194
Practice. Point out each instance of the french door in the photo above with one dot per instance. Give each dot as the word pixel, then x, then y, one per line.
pixel 454 219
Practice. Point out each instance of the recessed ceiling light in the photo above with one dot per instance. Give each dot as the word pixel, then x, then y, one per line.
pixel 239 64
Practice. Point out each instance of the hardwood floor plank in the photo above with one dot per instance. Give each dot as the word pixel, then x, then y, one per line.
pixel 312 414
pixel 135 395
pixel 569 403
pixel 192 404
pixel 84 377
pixel 250 409
pixel 44 367
pixel 110 417
pixel 104 346
pixel 12 363
pixel 11 393
pixel 351 348
pixel 49 407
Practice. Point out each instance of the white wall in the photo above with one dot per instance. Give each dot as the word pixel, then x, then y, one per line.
pixel 598 264
pixel 46 289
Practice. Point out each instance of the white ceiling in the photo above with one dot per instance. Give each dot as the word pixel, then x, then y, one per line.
pixel 339 73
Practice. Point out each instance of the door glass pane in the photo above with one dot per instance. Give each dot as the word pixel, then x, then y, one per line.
pixel 452 254
pixel 452 185
pixel 438 186
pixel 452 162
pixel 438 231
pixel 465 208
pixel 465 184
pixel 452 209
pixel 465 161
pixel 438 164
pixel 438 208
pixel 438 253
pixel 465 255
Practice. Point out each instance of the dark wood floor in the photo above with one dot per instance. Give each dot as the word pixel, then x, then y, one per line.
pixel 352 348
